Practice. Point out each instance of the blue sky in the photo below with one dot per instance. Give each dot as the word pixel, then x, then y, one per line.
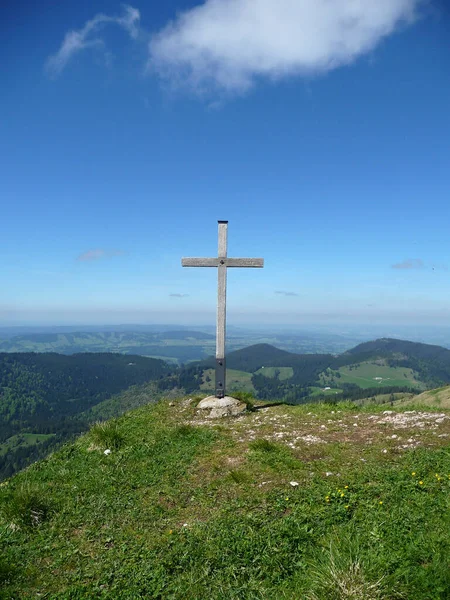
pixel 319 130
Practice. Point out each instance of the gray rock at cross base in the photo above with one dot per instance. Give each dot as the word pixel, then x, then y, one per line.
pixel 222 407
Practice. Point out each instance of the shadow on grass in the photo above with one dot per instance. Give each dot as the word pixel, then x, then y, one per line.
pixel 256 408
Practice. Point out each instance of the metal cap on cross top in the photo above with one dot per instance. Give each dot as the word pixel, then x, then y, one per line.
pixel 222 262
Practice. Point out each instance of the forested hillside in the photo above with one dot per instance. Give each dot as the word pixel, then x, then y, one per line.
pixel 430 361
pixel 40 393
pixel 381 366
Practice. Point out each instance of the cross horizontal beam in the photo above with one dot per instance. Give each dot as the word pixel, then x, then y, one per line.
pixel 257 263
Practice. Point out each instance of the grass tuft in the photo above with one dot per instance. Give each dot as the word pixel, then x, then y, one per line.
pixel 263 445
pixel 240 476
pixel 185 430
pixel 107 434
pixel 6 571
pixel 247 398
pixel 338 574
pixel 26 505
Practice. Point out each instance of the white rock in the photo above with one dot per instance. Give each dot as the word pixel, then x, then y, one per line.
pixel 294 483
pixel 213 402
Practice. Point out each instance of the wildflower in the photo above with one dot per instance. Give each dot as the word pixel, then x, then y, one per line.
pixel 170 531
pixel 348 506
pixel 294 483
pixel 346 487
pixel 286 499
pixel 420 482
pixel 106 452
pixel 381 502
pixel 342 495
pixel 413 473
pixel 327 498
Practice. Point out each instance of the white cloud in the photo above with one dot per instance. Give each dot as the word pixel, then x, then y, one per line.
pixel 229 44
pixel 283 293
pixel 87 37
pixel 98 253
pixel 410 263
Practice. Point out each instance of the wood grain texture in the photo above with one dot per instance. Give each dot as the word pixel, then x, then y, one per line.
pixel 228 262
pixel 245 262
pixel 221 311
pixel 223 239
pixel 199 262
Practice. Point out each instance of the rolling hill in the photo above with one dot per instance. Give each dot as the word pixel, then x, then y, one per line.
pixel 378 366
pixel 286 502
pixel 174 345
pixel 44 398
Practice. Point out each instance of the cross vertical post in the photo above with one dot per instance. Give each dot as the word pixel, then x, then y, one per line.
pixel 222 262
pixel 221 310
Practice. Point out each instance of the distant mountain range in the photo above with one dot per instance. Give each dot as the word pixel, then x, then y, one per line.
pixel 378 365
pixel 178 345
pixel 173 345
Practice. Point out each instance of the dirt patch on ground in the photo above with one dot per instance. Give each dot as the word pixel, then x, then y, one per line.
pixel 401 430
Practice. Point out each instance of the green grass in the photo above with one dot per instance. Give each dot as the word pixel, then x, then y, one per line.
pixel 107 435
pixel 236 380
pixel 23 440
pixel 183 510
pixel 369 375
pixel 319 391
pixel 438 398
pixel 283 372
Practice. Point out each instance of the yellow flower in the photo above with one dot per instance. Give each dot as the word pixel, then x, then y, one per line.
pixel 342 495
pixel 286 498
pixel 346 487
pixel 413 474
pixel 420 482
pixel 348 506
pixel 381 501
pixel 170 531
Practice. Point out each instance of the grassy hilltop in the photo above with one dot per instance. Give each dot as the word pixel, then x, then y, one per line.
pixel 315 501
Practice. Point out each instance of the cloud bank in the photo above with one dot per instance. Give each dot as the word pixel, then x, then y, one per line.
pixel 87 37
pixel 228 45
pixel 178 295
pixel 98 254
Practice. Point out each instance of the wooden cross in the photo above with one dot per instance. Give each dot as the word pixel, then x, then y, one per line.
pixel 222 262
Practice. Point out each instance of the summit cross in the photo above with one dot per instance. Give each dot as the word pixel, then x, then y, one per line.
pixel 222 262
